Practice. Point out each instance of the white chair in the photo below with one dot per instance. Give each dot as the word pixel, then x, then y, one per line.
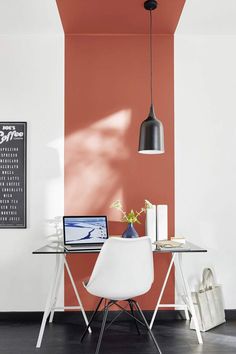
pixel 123 270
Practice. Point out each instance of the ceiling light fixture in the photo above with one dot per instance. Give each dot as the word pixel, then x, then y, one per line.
pixel 151 137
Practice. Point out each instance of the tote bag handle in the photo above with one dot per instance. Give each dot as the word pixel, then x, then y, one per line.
pixel 208 281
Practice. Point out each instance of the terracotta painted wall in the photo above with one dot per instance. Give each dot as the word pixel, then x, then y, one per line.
pixel 106 99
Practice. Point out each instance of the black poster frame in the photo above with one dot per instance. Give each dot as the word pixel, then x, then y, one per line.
pixel 23 172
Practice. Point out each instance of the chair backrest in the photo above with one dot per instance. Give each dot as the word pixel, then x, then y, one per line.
pixel 124 269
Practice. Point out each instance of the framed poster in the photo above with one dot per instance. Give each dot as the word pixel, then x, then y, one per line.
pixel 13 174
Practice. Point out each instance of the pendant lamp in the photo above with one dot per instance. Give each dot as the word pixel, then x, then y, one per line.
pixel 151 137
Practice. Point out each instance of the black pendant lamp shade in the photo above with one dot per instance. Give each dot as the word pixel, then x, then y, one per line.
pixel 151 137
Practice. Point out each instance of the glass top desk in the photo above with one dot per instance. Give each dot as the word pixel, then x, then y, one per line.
pixel 57 248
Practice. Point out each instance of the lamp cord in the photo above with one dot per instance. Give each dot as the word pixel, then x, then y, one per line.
pixel 150 53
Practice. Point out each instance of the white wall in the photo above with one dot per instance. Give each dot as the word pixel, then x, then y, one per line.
pixel 29 17
pixel 32 90
pixel 208 17
pixel 205 146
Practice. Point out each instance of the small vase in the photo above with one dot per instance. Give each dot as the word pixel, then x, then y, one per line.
pixel 130 232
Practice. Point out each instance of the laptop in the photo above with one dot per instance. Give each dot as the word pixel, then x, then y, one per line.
pixel 84 232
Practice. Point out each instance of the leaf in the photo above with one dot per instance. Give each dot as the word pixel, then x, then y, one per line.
pixel 148 205
pixel 116 204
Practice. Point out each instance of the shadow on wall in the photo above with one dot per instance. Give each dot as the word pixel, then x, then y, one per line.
pixel 107 98
pixel 56 229
pixel 51 173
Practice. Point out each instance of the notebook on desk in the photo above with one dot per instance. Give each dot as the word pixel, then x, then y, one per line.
pixel 167 244
pixel 84 232
pixel 170 245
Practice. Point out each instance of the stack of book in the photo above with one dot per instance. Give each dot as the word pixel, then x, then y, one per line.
pixel 167 244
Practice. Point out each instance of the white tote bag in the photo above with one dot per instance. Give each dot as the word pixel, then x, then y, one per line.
pixel 208 303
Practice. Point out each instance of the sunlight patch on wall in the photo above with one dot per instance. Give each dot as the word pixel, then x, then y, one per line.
pixel 93 159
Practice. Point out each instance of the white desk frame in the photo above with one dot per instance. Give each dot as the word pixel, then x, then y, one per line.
pixel 61 262
pixel 176 259
pixel 51 303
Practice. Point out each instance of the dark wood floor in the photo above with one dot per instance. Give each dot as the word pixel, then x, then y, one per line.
pixel 62 337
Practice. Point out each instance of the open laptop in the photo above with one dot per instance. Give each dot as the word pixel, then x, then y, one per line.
pixel 84 232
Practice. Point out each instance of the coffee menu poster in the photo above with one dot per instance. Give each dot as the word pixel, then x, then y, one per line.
pixel 13 174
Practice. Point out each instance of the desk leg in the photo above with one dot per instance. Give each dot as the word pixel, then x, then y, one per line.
pixel 162 290
pixel 181 291
pixel 189 298
pixel 56 289
pixel 186 313
pixel 51 295
pixel 76 294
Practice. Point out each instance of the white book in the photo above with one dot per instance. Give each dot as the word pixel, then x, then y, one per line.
pixel 162 222
pixel 150 224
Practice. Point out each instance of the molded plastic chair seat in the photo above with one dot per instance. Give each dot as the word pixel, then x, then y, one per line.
pixel 123 270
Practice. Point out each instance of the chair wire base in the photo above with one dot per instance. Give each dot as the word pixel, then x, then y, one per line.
pixel 91 320
pixel 132 304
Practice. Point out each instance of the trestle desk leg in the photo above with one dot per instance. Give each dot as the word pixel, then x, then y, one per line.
pixel 179 289
pixel 189 298
pixel 57 286
pixel 51 295
pixel 186 313
pixel 162 289
pixel 76 294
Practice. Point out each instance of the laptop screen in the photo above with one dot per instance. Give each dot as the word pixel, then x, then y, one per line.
pixel 84 229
